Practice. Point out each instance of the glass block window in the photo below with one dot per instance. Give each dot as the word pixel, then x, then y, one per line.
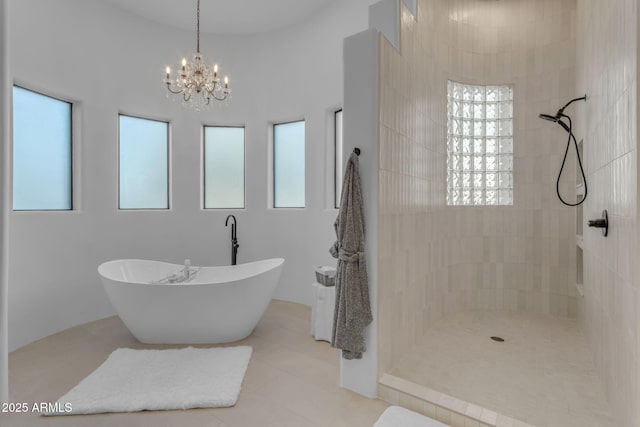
pixel 479 145
pixel 42 154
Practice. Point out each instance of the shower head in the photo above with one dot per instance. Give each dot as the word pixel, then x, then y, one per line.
pixel 555 119
pixel 549 117
pixel 560 114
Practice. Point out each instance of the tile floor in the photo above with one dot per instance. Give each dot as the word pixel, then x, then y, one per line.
pixel 542 374
pixel 292 380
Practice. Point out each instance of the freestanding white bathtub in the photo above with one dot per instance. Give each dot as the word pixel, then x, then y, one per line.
pixel 218 305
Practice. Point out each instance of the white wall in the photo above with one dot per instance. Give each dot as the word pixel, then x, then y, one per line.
pixel 109 62
pixel 361 114
pixel 4 138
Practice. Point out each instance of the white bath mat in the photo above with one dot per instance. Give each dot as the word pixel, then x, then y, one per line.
pixel 136 380
pixel 395 416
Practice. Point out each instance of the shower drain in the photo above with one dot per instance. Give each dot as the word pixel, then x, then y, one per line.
pixel 497 339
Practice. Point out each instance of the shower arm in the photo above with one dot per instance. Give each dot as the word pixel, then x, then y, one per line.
pixel 560 112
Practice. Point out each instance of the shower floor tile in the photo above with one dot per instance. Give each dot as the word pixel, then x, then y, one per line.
pixel 541 374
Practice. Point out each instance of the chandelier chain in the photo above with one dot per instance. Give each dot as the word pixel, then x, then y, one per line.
pixel 198 28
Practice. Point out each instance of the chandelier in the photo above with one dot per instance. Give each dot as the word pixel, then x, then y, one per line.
pixel 197 83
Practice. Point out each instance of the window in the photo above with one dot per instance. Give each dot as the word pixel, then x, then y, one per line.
pixel 41 152
pixel 480 145
pixel 288 165
pixel 223 167
pixel 144 164
pixel 338 159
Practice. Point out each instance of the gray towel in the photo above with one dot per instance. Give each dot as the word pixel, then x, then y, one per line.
pixel 353 310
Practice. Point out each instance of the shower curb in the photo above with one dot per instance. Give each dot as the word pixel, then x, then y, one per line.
pixel 440 406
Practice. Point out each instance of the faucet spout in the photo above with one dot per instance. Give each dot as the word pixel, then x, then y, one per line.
pixel 234 238
pixel 226 223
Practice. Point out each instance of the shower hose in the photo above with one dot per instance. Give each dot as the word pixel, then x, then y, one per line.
pixel 564 160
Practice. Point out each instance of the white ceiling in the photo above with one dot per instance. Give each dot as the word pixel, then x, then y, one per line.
pixel 224 16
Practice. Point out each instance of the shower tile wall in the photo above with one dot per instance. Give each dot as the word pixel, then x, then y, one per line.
pixel 528 249
pixel 434 259
pixel 607 55
pixel 413 249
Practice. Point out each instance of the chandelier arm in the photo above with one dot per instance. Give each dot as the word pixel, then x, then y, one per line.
pixel 186 97
pixel 175 92
pixel 220 99
pixel 210 89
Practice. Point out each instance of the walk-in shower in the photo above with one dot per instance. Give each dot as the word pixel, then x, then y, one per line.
pixel 558 119
pixel 452 276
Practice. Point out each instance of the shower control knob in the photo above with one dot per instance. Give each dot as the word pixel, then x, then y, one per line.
pixel 601 223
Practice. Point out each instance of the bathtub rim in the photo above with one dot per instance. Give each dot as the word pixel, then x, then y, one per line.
pixel 277 263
